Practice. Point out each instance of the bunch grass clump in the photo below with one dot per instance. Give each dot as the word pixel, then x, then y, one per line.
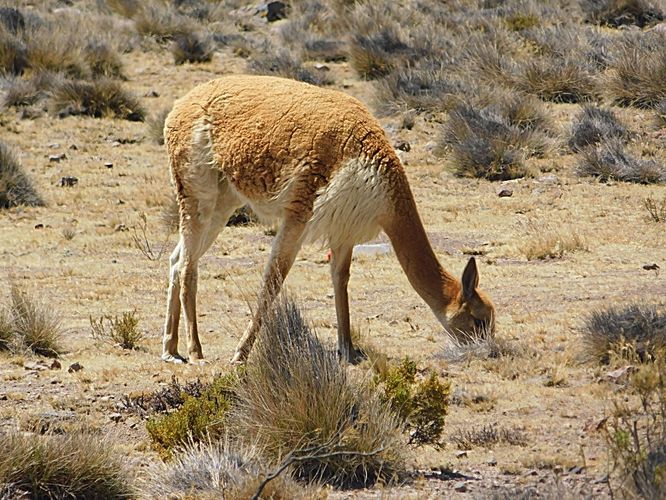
pixel 488 436
pixel 420 401
pixel 284 63
pixel 16 188
pixel 165 400
pixel 305 411
pixel 616 13
pixel 31 326
pixel 552 243
pixel 558 79
pixel 200 417
pixel 221 469
pixel 122 331
pixel 609 161
pixel 636 331
pixel 69 466
pixel 98 98
pixel 463 347
pixel 656 209
pixel 155 123
pixel 594 125
pixel 192 47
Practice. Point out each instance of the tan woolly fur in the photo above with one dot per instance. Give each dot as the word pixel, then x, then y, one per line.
pixel 316 162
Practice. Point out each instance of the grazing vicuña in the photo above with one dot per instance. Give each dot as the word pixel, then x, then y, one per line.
pixel 316 161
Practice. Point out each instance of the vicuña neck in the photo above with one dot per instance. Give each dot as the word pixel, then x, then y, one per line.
pixel 410 242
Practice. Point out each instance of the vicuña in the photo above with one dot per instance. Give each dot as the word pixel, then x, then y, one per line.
pixel 317 162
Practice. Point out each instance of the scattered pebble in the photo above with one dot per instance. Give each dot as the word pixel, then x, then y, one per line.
pixel 504 192
pixel 116 417
pixel 151 93
pixel 108 164
pixel 276 11
pixel 55 365
pixel 75 367
pixel 461 487
pixel 403 146
pixel 57 158
pixel 68 181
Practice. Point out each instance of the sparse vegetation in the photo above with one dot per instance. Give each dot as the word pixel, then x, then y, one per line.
pixel 155 123
pixel 200 417
pixel 33 326
pixel 16 188
pixel 296 396
pixel 463 348
pixel 636 435
pixel 219 469
pixel 192 48
pixel 281 62
pixel 122 331
pixel 636 332
pixel 99 98
pixel 165 400
pixel 558 80
pixel 656 209
pixel 70 466
pixel 616 13
pixel 610 161
pixel 422 404
pixel 594 125
pixel 488 436
pixel 551 243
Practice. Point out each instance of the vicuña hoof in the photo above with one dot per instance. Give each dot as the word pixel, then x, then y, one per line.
pixel 176 358
pixel 354 357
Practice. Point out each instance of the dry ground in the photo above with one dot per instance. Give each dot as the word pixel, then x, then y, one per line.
pixel 544 391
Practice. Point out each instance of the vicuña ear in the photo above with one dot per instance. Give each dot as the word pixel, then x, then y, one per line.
pixel 470 279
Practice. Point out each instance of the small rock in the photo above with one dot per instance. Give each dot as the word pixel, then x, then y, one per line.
pixel 151 93
pixel 32 365
pixel 461 454
pixel 460 486
pixel 577 469
pixel 550 179
pixel 504 192
pixel 55 145
pixel 651 267
pixel 121 228
pixel 73 147
pixel 3 397
pixel 322 67
pixel 620 374
pixel 39 226
pixel 276 11
pixel 116 417
pixel 492 461
pixel 57 158
pixel 108 164
pixel 68 181
pixel 403 146
pixel 75 367
pixel 55 365
pixel 558 469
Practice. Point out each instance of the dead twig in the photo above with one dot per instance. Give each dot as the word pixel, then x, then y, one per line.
pixel 143 244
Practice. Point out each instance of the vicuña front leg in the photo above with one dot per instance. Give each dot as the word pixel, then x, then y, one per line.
pixel 285 247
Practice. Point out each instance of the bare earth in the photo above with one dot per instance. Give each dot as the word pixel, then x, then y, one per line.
pixel 545 392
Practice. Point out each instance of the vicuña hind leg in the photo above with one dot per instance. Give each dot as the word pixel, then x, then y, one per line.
pixel 285 247
pixel 197 235
pixel 340 263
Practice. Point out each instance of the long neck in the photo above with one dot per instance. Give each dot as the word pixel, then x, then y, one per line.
pixel 410 242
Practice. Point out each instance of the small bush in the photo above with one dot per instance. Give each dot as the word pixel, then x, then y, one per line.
pixel 72 466
pixel 103 60
pixel 422 404
pixel 488 436
pixel 100 98
pixel 155 125
pixel 463 348
pixel 35 326
pixel 56 47
pixel 656 209
pixel 15 186
pixel 199 417
pixel 172 397
pixel 159 20
pixel 636 435
pixel 484 145
pixel 594 125
pixel 217 470
pixel 299 405
pixel 121 331
pixel 557 79
pixel 637 72
pixel 284 63
pixel 192 48
pixel 13 54
pixel 609 161
pixel 21 92
pixel 615 13
pixel 635 331
pixel 375 55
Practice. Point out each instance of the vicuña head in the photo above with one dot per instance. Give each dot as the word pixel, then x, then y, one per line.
pixel 317 162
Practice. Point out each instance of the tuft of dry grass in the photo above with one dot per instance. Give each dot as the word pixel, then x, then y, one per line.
pixel 660 114
pixel 34 325
pixel 16 188
pixel 122 331
pixel 221 469
pixel 284 63
pixel 463 347
pixel 636 331
pixel 609 161
pixel 374 55
pixel 616 13
pixel 192 47
pixel 159 20
pixel 165 400
pixel 298 400
pixel 656 209
pixel 637 71
pixel 557 79
pixel 71 466
pixel 550 243
pixel 13 53
pixel 488 436
pixel 99 98
pixel 594 125
pixel 155 124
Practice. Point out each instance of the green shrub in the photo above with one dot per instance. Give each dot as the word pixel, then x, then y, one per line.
pixel 70 466
pixel 198 418
pixel 421 404
pixel 122 331
pixel 636 434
